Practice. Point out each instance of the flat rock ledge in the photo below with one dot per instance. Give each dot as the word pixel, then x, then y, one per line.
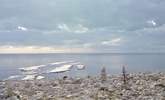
pixel 141 86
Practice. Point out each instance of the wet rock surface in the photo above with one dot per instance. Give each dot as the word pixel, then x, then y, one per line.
pixel 141 86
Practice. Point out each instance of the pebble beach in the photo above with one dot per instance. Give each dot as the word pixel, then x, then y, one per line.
pixel 138 86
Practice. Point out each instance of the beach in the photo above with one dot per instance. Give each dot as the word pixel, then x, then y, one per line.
pixel 137 86
pixel 82 49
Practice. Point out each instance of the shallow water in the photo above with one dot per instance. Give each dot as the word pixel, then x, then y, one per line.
pixel 10 63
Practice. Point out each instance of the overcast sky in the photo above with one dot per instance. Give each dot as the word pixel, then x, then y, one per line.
pixel 36 26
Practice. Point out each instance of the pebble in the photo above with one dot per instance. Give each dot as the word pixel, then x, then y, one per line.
pixel 141 86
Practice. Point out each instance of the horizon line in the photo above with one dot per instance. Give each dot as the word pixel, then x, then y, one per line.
pixel 91 53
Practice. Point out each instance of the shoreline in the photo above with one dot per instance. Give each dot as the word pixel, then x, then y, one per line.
pixel 138 86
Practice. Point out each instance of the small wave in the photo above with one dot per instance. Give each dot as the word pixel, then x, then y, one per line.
pixel 57 63
pixel 13 77
pixel 31 68
pixel 29 77
pixel 32 77
pixel 62 68
pixel 40 77
pixel 39 66
pixel 75 63
pixel 60 62
pixel 80 67
pixel 30 72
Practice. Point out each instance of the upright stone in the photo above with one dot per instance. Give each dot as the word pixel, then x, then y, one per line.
pixel 103 75
pixel 124 75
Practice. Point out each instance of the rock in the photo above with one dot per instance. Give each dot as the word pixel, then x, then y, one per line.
pixel 163 94
pixel 141 86
pixel 77 81
pixel 103 75
pixel 160 85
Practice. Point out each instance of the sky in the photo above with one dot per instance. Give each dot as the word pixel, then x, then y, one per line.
pixel 82 26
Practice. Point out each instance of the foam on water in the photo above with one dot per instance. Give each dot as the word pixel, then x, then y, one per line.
pixel 29 72
pixel 75 63
pixel 31 68
pixel 34 72
pixel 29 77
pixel 93 63
pixel 80 67
pixel 60 62
pixel 33 77
pixel 40 77
pixel 39 66
pixel 62 68
pixel 13 77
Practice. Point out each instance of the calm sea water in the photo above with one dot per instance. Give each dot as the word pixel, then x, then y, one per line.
pixel 10 63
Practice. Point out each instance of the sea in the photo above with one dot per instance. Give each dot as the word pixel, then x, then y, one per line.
pixel 43 64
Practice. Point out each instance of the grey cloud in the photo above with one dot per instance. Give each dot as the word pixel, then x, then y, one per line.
pixel 97 20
